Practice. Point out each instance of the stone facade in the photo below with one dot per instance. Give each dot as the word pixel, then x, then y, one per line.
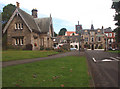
pixel 22 30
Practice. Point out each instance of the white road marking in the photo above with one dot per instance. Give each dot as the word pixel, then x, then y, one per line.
pixel 118 57
pixel 94 59
pixel 114 58
pixel 107 60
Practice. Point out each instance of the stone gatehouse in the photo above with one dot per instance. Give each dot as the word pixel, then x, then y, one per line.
pixel 23 29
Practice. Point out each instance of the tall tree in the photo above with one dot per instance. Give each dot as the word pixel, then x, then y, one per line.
pixel 7 13
pixel 116 6
pixel 62 31
pixel 55 34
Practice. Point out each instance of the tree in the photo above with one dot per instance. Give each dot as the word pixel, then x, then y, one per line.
pixel 62 31
pixel 55 34
pixel 7 13
pixel 116 6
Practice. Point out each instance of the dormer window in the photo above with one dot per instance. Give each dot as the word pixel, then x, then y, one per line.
pixel 19 26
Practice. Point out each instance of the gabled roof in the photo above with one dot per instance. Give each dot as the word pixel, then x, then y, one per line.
pixel 68 33
pixel 43 24
pixel 34 24
pixel 29 20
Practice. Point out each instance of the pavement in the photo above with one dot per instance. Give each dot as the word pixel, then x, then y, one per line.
pixel 17 62
pixel 104 68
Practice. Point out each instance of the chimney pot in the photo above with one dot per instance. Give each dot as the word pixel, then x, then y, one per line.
pixel 18 4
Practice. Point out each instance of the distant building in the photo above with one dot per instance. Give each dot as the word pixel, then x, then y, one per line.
pixel 90 38
pixel 23 29
pixel 110 37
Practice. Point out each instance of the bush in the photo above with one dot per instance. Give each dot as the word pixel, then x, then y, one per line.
pixel 29 47
pixel 48 49
pixel 41 47
pixel 10 47
pixel 59 50
pixel 100 47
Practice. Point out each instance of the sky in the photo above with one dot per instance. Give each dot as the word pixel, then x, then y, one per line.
pixel 67 13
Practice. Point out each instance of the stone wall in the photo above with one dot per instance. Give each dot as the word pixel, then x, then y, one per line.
pixel 12 32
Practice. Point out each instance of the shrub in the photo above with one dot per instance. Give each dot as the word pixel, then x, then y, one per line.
pixel 41 47
pixel 59 50
pixel 100 47
pixel 48 49
pixel 29 47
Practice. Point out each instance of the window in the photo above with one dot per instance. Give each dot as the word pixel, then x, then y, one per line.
pixel 86 38
pixel 16 26
pixel 22 26
pixel 92 39
pixel 42 42
pixel 107 34
pixel 110 34
pixel 18 41
pixel 99 39
pixel 92 33
pixel 19 26
pixel 22 41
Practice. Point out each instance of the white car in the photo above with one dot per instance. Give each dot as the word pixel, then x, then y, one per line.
pixel 73 49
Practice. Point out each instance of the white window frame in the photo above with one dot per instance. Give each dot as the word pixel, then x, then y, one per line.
pixel 15 25
pixel 16 41
pixel 22 41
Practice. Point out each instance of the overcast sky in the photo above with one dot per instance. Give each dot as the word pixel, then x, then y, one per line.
pixel 67 13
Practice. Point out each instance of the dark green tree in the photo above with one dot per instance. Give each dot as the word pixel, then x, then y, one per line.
pixel 62 31
pixel 116 6
pixel 7 13
pixel 55 34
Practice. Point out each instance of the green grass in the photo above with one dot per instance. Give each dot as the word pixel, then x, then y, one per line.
pixel 19 55
pixel 71 71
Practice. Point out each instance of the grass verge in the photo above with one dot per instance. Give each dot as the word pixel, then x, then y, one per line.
pixel 68 71
pixel 10 55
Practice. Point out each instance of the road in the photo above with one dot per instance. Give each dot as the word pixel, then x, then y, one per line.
pixel 104 68
pixel 17 62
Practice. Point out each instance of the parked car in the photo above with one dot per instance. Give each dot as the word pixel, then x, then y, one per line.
pixel 110 48
pixel 73 49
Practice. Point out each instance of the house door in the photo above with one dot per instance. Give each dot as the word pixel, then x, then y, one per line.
pixel 92 47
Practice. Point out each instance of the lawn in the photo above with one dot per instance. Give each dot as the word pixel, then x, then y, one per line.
pixel 68 71
pixel 19 54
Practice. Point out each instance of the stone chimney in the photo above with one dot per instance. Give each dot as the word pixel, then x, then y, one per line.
pixel 18 4
pixel 34 13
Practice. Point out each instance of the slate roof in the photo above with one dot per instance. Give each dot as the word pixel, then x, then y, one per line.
pixel 35 24
pixel 30 20
pixel 43 24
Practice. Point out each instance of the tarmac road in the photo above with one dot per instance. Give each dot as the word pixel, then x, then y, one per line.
pixel 104 68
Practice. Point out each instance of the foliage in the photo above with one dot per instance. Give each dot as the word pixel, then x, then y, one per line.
pixel 41 47
pixel 116 6
pixel 70 71
pixel 29 47
pixel 7 13
pixel 24 54
pixel 55 34
pixel 62 31
pixel 48 48
pixel 4 41
pixel 59 50
pixel 100 47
